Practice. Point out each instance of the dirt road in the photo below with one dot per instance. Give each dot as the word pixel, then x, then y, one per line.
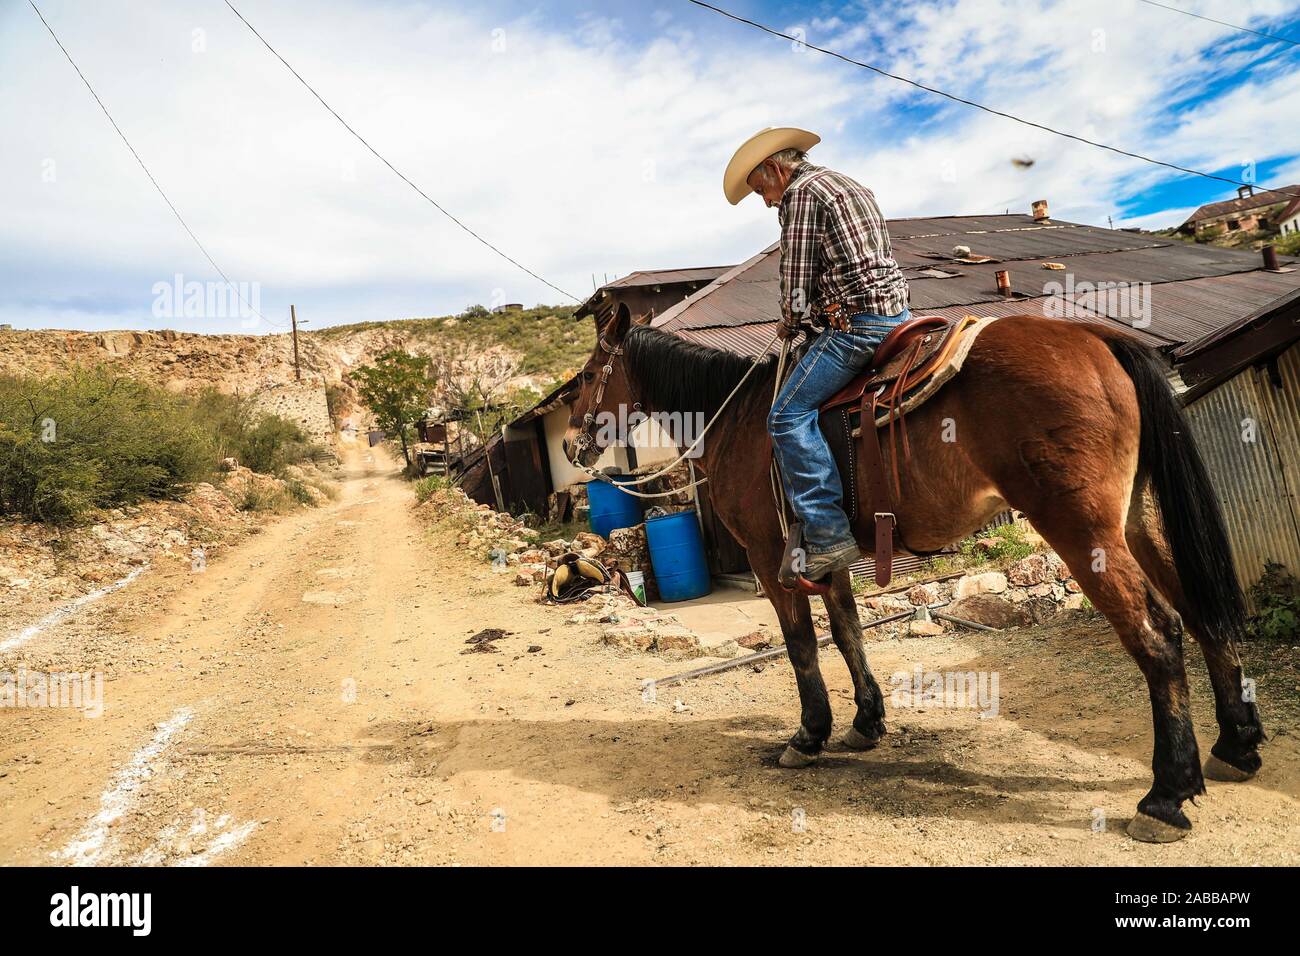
pixel 307 699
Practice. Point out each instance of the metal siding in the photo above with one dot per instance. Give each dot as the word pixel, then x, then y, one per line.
pixel 1255 482
pixel 1285 404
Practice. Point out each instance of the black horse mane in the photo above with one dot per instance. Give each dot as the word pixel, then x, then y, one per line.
pixel 673 375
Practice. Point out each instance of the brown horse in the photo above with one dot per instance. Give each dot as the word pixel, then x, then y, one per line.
pixel 1075 426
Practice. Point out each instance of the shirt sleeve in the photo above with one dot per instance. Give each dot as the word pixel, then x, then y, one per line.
pixel 802 224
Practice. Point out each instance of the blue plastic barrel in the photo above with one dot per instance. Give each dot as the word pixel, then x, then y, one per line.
pixel 677 556
pixel 611 508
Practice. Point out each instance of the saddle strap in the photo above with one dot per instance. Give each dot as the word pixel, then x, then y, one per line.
pixel 877 491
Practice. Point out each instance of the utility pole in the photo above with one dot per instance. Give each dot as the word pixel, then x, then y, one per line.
pixel 293 317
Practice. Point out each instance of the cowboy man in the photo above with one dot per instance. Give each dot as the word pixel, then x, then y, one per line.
pixel 838 272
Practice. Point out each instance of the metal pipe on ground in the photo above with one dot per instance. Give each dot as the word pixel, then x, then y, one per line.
pixel 963 622
pixel 822 641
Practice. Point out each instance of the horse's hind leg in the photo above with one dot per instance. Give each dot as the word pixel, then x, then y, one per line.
pixel 1151 631
pixel 795 615
pixel 1235 755
pixel 846 629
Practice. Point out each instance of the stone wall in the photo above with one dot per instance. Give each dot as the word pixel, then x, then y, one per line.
pixel 302 403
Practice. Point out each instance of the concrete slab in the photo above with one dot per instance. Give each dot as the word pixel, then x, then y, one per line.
pixel 724 615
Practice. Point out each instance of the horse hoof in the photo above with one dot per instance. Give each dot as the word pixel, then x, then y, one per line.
pixel 1224 772
pixel 855 740
pixel 1147 829
pixel 793 759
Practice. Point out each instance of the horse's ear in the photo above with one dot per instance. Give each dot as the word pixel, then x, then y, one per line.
pixel 621 322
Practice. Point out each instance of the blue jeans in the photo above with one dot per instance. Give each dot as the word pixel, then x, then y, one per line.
pixel 812 481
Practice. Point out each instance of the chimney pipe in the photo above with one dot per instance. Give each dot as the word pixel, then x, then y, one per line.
pixel 1004 281
pixel 1270 259
pixel 1039 208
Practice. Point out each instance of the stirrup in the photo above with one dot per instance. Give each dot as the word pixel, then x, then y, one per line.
pixel 790 578
pixel 804 586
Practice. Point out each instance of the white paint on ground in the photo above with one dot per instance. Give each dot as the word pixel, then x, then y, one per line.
pixel 325 597
pixel 220 844
pixel 169 843
pixel 54 617
pixel 336 572
pixel 90 845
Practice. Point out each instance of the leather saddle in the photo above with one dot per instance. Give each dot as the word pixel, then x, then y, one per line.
pixel 904 361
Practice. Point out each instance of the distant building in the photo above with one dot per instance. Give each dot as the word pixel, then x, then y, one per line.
pixel 510 307
pixel 1288 220
pixel 1248 212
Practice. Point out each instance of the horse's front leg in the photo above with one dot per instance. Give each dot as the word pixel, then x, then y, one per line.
pixel 846 629
pixel 795 615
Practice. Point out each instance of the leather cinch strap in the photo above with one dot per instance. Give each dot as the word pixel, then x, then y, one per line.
pixel 872 474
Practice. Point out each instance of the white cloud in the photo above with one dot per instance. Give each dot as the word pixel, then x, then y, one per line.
pixel 575 145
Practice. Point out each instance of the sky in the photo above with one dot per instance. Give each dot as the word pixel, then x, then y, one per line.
pixel 583 139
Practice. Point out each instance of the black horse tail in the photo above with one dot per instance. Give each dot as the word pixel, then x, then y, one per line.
pixel 1189 509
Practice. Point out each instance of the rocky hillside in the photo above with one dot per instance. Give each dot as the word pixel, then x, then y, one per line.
pixel 527 349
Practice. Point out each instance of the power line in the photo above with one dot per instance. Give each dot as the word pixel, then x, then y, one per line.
pixel 399 173
pixel 169 203
pixel 1223 23
pixel 979 106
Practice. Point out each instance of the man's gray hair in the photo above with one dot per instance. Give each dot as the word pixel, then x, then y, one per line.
pixel 786 159
pixel 789 158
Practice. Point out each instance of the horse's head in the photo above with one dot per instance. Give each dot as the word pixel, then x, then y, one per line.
pixel 605 399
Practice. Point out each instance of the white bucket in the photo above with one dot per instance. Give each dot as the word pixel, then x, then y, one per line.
pixel 636 580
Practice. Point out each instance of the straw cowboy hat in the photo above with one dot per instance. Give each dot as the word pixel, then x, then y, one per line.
pixel 756 149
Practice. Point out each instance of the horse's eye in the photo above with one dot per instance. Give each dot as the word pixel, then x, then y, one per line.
pixel 588 376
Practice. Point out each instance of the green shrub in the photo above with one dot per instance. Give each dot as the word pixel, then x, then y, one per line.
pixel 1288 245
pixel 428 485
pixel 270 443
pixel 90 439
pixel 1010 545
pixel 299 491
pixel 263 498
pixel 1277 596
pixel 264 443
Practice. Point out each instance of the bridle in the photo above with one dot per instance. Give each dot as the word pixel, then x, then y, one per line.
pixel 586 439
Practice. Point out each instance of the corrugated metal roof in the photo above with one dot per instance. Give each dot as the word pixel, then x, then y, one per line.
pixel 1186 311
pixel 668 276
pixel 1288 300
pixel 1194 288
pixel 603 298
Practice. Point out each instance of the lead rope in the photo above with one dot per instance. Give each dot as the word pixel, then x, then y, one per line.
pixel 625 486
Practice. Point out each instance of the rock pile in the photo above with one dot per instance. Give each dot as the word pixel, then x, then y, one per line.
pixel 627 626
pixel 511 546
pixel 1031 591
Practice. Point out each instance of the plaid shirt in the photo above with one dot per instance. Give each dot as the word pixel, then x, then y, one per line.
pixel 835 248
